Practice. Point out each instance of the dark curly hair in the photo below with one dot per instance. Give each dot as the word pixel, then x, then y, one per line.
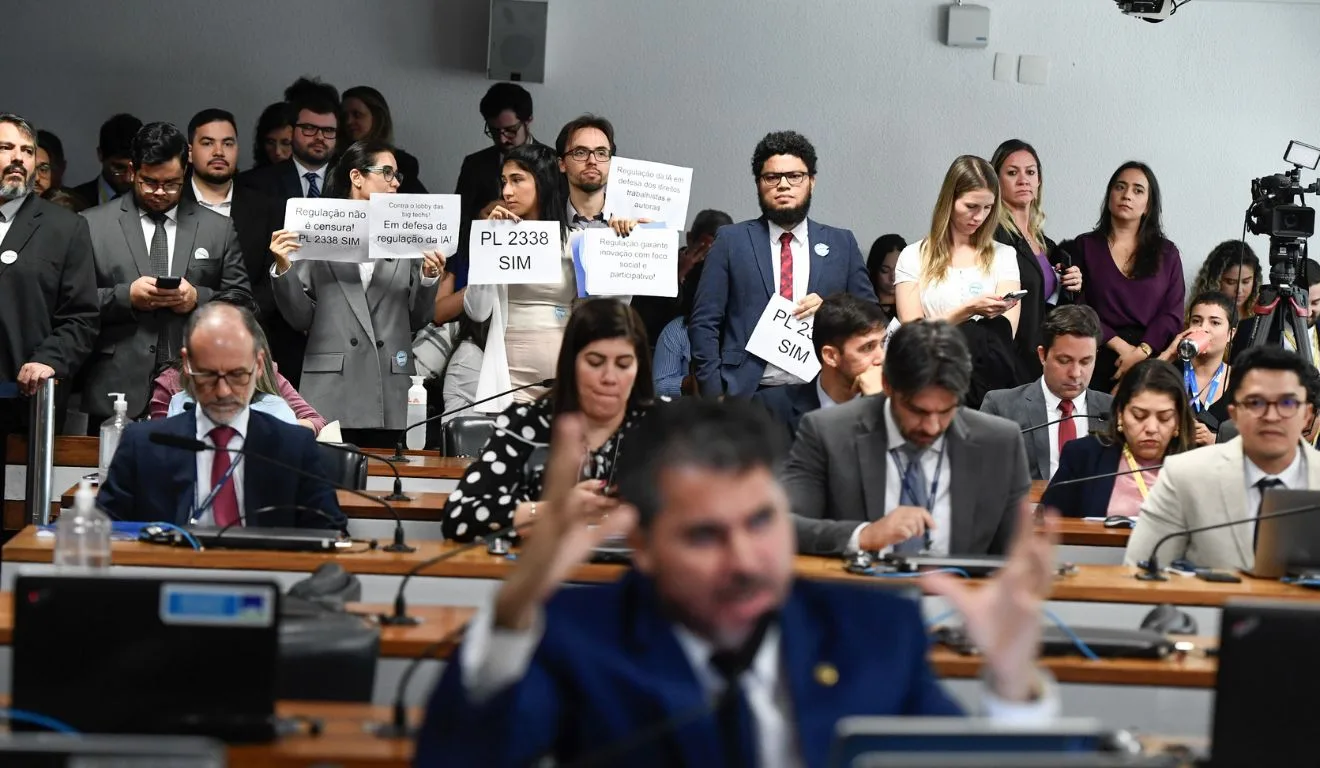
pixel 784 143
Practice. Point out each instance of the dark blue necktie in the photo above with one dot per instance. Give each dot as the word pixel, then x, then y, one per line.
pixel 915 493
pixel 733 714
pixel 313 188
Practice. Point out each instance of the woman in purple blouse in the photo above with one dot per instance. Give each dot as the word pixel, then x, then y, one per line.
pixel 1133 275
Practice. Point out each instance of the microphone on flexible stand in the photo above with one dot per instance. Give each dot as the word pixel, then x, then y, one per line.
pixel 1100 417
pixel 402 444
pixel 1105 476
pixel 193 445
pixel 397 494
pixel 397 727
pixel 1151 566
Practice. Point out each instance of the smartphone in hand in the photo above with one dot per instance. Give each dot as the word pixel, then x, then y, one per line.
pixel 168 283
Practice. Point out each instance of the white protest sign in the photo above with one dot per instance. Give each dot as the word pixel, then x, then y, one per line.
pixel 639 189
pixel 328 229
pixel 402 226
pixel 645 263
pixel 781 340
pixel 505 253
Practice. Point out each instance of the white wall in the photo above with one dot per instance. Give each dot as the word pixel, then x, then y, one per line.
pixel 1201 97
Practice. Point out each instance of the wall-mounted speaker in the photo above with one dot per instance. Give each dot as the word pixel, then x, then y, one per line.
pixel 517 40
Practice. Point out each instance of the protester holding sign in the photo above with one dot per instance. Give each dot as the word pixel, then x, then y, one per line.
pixel 526 319
pixel 359 317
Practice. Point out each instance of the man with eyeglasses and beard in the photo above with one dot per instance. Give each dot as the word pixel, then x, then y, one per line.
pixel 48 306
pixel 157 257
pixel 148 482
pixel 316 109
pixel 782 252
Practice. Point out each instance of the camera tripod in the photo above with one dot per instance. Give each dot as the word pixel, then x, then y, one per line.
pixel 1283 306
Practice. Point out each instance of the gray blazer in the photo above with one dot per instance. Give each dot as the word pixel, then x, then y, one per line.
pixel 124 357
pixel 1026 406
pixel 835 477
pixel 352 370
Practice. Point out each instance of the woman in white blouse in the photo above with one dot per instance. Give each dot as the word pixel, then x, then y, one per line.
pixel 960 274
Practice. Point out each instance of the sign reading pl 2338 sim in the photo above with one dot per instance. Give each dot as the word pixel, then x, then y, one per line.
pixel 509 253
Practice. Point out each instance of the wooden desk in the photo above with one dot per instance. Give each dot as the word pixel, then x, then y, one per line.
pixel 1075 531
pixel 1037 490
pixel 425 464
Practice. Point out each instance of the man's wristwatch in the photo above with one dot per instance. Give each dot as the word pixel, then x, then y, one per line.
pixel 1145 348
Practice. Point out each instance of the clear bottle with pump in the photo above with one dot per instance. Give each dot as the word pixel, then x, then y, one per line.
pixel 82 534
pixel 111 431
pixel 416 413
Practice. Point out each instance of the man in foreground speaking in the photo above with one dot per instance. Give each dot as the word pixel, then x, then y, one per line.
pixel 708 652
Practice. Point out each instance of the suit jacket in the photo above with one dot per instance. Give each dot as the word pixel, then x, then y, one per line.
pixel 835 477
pixel 156 483
pixel 1026 406
pixel 89 192
pixel 736 284
pixel 609 666
pixel 1084 457
pixel 789 404
pixel 352 371
pixel 278 181
pixel 48 306
pixel 1203 487
pixel 125 356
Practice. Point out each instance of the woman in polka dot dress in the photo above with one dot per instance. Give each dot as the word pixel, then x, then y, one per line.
pixel 604 371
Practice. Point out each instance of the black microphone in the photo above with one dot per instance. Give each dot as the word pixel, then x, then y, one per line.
pixel 397 727
pixel 1105 476
pixel 1151 567
pixel 185 443
pixel 1100 417
pixel 397 494
pixel 399 447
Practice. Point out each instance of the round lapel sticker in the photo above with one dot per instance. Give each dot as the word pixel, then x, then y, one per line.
pixel 401 358
pixel 822 249
pixel 201 253
pixel 9 257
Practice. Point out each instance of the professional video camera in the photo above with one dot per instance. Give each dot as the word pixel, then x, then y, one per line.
pixel 1279 211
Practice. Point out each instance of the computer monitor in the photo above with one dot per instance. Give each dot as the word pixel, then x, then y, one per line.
pixel 142 655
pixel 896 738
pixel 1266 705
pixel 1287 544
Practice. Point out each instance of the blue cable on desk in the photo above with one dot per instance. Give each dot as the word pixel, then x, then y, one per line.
pixel 33 718
pixel 1077 641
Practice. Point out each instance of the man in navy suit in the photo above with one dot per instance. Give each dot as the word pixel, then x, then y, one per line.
pixel 849 338
pixel 157 483
pixel 784 253
pixel 708 652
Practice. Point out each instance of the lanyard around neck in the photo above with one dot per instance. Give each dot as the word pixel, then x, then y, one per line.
pixel 896 453
pixel 1211 388
pixel 1138 472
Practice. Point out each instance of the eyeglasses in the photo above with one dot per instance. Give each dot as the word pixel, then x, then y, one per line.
pixel 309 130
pixel 168 187
pixel 208 379
pixel 1286 406
pixel 511 132
pixel 385 171
pixel 794 178
pixel 580 154
pixel 43 168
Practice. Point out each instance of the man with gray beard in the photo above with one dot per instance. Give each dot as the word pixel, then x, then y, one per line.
pixel 49 315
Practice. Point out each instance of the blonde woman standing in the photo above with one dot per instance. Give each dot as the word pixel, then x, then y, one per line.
pixel 960 274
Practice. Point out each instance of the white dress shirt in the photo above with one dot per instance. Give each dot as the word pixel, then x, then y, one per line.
pixel 7 213
pixel 302 177
pixel 1293 478
pixel 1052 413
pixel 775 376
pixel 171 229
pixel 941 506
pixel 205 460
pixel 825 400
pixel 221 207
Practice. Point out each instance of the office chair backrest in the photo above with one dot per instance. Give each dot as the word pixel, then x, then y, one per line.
pixel 343 467
pixel 465 435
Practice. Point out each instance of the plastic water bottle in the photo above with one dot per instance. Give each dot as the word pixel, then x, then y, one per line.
pixel 111 431
pixel 82 535
pixel 416 413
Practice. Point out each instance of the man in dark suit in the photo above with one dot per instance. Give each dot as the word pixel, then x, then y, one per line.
pixel 316 107
pixel 1069 338
pixel 849 338
pixel 911 471
pixel 150 483
pixel 784 253
pixel 213 156
pixel 113 150
pixel 137 240
pixel 48 308
pixel 710 628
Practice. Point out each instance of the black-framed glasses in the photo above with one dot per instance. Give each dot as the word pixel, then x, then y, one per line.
pixel 308 130
pixel 1287 406
pixel 387 172
pixel 43 168
pixel 510 132
pixel 151 185
pixel 794 178
pixel 580 154
pixel 208 379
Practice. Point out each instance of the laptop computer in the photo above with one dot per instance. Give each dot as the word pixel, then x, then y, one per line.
pixel 1266 706
pixel 46 750
pixel 114 654
pixel 1287 545
pixel 256 537
pixel 890 740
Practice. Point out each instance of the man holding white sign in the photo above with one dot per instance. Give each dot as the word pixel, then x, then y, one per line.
pixel 585 147
pixel 783 254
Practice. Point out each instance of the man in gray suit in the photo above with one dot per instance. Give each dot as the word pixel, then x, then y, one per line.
pixel 1069 338
pixel 910 470
pixel 141 244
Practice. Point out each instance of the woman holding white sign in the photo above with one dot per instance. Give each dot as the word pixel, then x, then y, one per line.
pixel 359 318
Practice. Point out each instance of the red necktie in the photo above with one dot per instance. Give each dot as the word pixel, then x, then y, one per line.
pixel 1067 429
pixel 786 265
pixel 224 506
